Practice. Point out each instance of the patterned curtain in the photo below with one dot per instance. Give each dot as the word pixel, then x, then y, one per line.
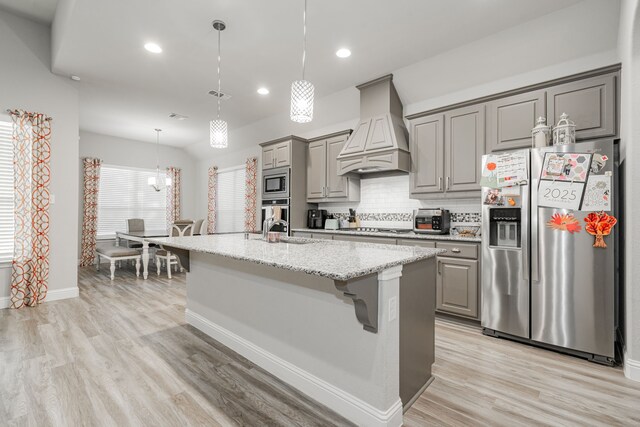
pixel 251 184
pixel 91 169
pixel 213 189
pixel 31 155
pixel 173 195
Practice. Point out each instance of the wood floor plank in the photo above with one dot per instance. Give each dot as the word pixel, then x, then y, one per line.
pixel 122 355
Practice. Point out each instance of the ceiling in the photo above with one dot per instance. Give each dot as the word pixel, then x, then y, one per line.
pixel 126 91
pixel 37 10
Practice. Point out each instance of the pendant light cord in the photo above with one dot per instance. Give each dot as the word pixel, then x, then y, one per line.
pixel 219 78
pixel 304 38
pixel 157 154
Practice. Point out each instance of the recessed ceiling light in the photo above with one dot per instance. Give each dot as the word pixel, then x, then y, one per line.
pixel 75 78
pixel 343 53
pixel 263 91
pixel 152 47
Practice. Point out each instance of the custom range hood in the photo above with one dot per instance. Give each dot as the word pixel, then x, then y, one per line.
pixel 379 142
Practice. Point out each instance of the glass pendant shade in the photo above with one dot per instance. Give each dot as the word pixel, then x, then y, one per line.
pixel 218 134
pixel 302 92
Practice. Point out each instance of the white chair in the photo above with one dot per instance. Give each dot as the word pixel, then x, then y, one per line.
pixel 177 230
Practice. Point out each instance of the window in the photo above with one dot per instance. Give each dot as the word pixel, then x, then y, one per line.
pixel 125 193
pixel 230 202
pixel 6 192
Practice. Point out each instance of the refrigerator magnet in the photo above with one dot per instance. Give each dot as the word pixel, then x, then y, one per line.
pixel 564 222
pixel 600 225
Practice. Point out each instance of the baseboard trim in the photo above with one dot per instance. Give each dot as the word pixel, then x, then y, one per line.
pixel 52 295
pixel 632 369
pixel 342 402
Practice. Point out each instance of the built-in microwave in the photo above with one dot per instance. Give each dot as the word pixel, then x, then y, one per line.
pixel 275 183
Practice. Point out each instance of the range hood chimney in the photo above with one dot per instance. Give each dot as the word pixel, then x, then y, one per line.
pixel 379 142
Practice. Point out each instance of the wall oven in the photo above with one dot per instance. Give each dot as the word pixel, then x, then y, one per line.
pixel 275 184
pixel 268 209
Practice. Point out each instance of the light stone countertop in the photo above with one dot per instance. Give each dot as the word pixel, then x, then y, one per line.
pixel 409 235
pixel 335 260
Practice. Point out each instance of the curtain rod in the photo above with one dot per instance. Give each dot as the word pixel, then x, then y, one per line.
pixel 17 112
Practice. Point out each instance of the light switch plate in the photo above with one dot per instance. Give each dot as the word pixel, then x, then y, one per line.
pixel 52 199
pixel 393 308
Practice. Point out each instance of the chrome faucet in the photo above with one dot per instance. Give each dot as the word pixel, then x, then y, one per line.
pixel 269 223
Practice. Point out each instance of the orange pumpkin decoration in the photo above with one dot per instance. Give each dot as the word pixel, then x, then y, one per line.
pixel 491 166
pixel 564 222
pixel 600 225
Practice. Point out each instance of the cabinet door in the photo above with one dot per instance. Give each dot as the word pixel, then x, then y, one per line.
pixel 316 169
pixel 590 103
pixel 337 185
pixel 427 154
pixel 283 154
pixel 268 157
pixel 457 287
pixel 463 148
pixel 511 119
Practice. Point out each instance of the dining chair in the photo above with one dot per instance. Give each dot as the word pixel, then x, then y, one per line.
pixel 198 227
pixel 133 225
pixel 162 256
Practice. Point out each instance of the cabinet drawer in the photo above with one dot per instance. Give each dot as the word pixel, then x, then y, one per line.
pixel 364 239
pixel 301 234
pixel 322 236
pixel 416 242
pixel 459 250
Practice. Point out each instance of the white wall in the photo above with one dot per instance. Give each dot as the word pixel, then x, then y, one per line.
pixel 27 83
pixel 125 152
pixel 629 50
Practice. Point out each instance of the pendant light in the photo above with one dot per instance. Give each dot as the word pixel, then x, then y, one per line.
pixel 218 137
pixel 157 182
pixel 302 90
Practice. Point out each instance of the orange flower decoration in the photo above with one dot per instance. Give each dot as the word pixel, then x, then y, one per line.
pixel 491 166
pixel 564 222
pixel 600 225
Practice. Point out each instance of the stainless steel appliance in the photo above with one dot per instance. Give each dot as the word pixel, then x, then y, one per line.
pixel 279 207
pixel 544 285
pixel 316 218
pixel 431 221
pixel 275 183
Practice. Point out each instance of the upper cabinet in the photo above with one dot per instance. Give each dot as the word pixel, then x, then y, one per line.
pixel 427 154
pixel 464 146
pixel 590 103
pixel 276 155
pixel 510 120
pixel 323 182
pixel 446 150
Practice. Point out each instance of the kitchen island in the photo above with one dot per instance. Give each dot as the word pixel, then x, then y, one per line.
pixel 349 324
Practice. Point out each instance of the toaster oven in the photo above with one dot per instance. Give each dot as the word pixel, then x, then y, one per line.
pixel 431 221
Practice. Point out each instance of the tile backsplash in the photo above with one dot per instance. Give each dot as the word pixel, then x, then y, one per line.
pixel 385 202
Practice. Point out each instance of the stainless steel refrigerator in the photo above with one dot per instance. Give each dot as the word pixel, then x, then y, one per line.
pixel 543 280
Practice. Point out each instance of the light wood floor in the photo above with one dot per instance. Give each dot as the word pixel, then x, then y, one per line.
pixel 121 354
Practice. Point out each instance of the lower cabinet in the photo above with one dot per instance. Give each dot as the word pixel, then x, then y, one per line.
pixel 457 286
pixel 364 239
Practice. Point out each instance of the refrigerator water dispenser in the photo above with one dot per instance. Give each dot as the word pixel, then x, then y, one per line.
pixel 505 227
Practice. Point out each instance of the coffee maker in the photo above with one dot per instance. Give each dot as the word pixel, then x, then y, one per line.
pixel 316 218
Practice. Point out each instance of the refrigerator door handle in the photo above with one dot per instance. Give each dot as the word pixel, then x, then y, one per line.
pixel 534 234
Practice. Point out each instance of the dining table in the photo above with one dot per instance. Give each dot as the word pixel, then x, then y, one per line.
pixel 142 237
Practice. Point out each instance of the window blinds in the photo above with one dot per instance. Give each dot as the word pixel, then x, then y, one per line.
pixel 125 193
pixel 6 192
pixel 231 200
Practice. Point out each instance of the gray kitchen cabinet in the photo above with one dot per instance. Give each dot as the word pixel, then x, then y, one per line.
pixel 590 103
pixel 316 170
pixel 322 236
pixel 283 154
pixel 276 155
pixel 457 287
pixel 510 120
pixel 268 157
pixel 323 182
pixel 364 239
pixel 427 154
pixel 416 242
pixel 464 146
pixel 303 234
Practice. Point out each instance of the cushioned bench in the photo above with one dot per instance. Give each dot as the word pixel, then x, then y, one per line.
pixel 117 253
